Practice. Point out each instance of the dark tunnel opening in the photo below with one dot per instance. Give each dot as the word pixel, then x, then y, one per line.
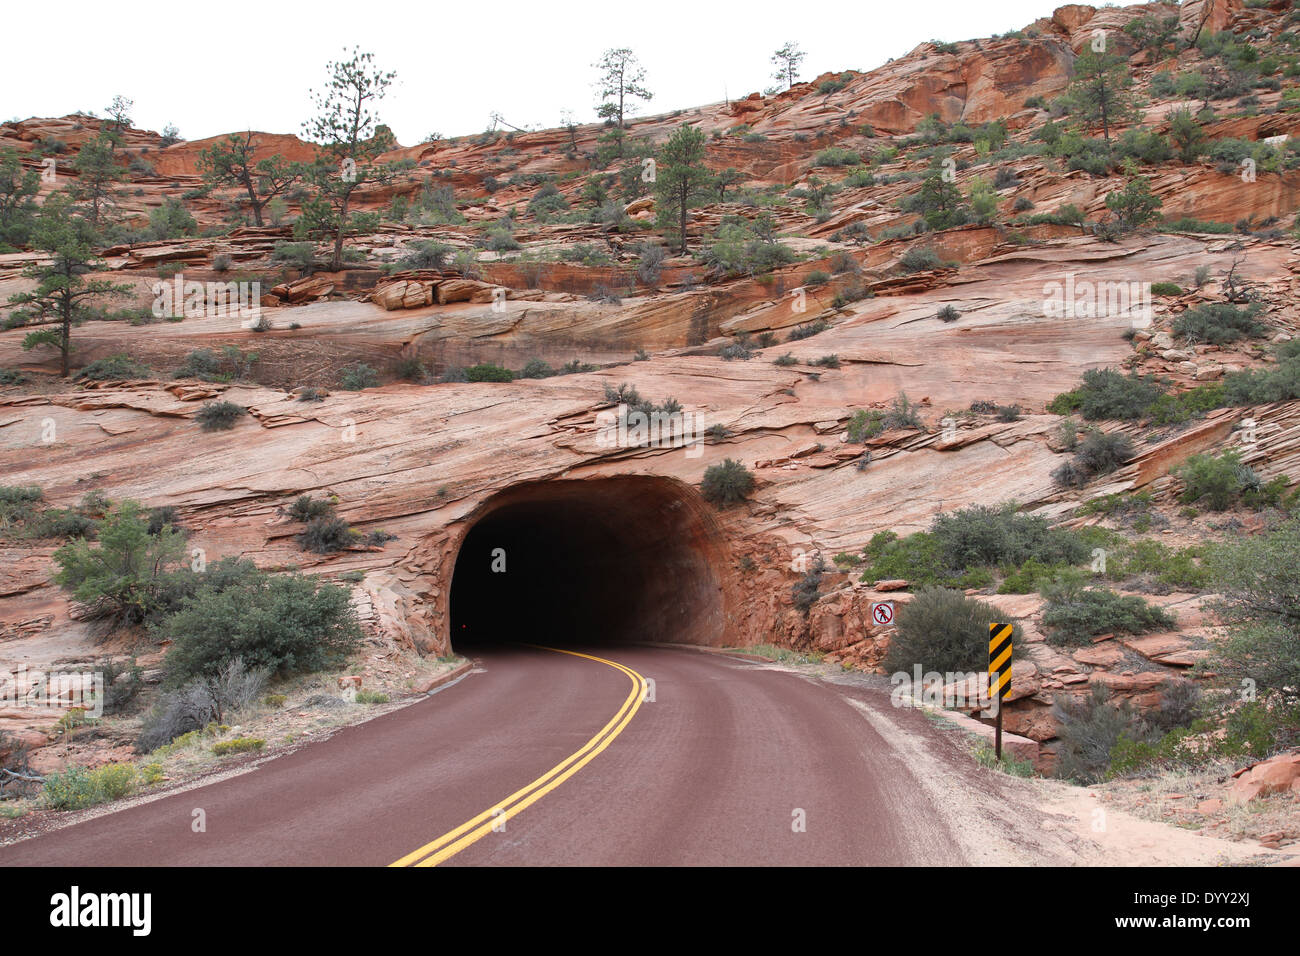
pixel 592 561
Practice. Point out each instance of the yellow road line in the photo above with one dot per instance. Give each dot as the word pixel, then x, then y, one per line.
pixel 471 831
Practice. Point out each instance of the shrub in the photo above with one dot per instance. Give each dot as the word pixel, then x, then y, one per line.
pixel 281 624
pixel 487 372
pixel 943 630
pixel 948 313
pixel 984 535
pixel 785 360
pixel 807 330
pixel 865 423
pixel 358 376
pixel 1008 413
pixel 1166 288
pixel 727 483
pixel 902 414
pixel 1218 323
pixel 129 577
pixel 218 416
pixel 1088 729
pixel 429 254
pixel 736 350
pixel 806 590
pixel 326 535
pixel 1074 615
pixel 306 508
pixel 77 788
pixel 650 259
pixel 817 278
pixel 917 259
pixel 238 745
pixel 1215 483
pixel 1108 394
pixel 827 361
pixel 113 368
pixel 837 156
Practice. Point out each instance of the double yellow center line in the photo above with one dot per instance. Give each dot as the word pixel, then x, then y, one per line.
pixel 473 830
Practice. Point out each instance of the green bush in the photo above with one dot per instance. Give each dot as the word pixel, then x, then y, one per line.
pixel 1075 614
pixel 1100 453
pixel 1218 323
pixel 1216 483
pixel 219 416
pixel 1108 394
pixel 306 508
pixel 131 575
pixel 327 534
pixel 837 156
pixel 945 631
pixel 282 624
pixel 807 330
pixel 77 788
pixel 1088 730
pixel 984 535
pixel 114 368
pixel 727 483
pixel 866 423
pixel 370 697
pixel 238 745
pixel 917 259
pixel 487 372
pixel 358 376
pixel 1166 288
pixel 902 414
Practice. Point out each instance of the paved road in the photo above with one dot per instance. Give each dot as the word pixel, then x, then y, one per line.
pixel 720 768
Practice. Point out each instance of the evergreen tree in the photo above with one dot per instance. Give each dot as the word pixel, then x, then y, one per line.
pixel 787 60
pixel 97 172
pixel 18 188
pixel 1099 92
pixel 234 162
pixel 682 181
pixel 63 294
pixel 622 79
pixel 349 140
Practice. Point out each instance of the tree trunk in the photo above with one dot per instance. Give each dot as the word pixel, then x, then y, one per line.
pixel 683 197
pixel 337 263
pixel 66 345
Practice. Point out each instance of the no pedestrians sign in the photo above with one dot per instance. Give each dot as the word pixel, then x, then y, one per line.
pixel 882 612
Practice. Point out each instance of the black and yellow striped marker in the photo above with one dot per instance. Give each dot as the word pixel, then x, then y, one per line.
pixel 999 674
pixel 1000 660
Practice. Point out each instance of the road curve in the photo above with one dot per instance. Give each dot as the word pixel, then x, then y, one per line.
pixel 729 764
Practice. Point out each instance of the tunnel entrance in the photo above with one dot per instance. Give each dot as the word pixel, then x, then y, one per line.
pixel 590 561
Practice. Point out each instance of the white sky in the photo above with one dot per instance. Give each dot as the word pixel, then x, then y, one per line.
pixel 217 67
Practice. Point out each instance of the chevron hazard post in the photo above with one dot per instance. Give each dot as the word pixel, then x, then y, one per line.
pixel 999 673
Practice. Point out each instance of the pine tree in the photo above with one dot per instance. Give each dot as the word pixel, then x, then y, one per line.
pixel 234 162
pixel 97 172
pixel 787 60
pixel 682 181
pixel 349 139
pixel 1100 93
pixel 63 295
pixel 622 79
pixel 18 188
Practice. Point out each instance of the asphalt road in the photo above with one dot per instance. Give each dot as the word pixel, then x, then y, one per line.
pixel 545 758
